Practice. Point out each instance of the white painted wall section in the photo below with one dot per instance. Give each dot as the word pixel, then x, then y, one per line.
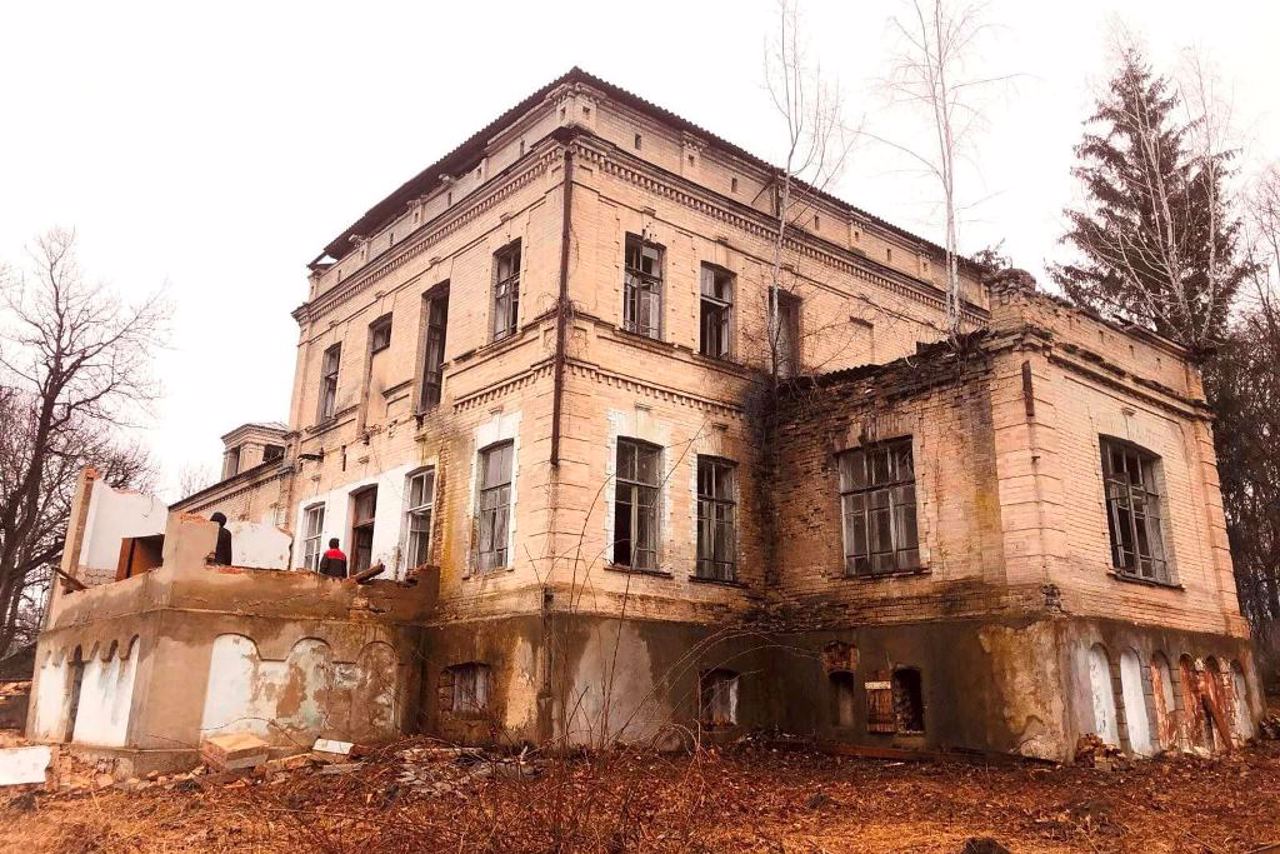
pixel 388 520
pixel 259 545
pixel 1135 704
pixel 113 515
pixel 106 695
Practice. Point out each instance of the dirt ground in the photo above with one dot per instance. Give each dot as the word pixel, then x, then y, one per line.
pixel 750 799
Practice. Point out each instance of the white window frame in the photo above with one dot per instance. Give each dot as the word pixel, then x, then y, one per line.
pixel 313 536
pixel 425 507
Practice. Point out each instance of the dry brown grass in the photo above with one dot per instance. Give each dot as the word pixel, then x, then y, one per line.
pixel 753 800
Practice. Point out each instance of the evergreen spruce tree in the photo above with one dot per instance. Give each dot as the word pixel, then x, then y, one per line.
pixel 1156 243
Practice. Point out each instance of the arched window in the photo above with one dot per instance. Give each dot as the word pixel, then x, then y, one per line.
pixel 1165 703
pixel 1103 695
pixel 1136 717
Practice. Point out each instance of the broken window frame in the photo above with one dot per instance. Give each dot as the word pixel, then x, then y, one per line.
pixel 717 519
pixel 495 464
pixel 1134 507
pixel 715 317
pixel 364 512
pixel 907 686
pixel 877 481
pixel 380 334
pixel 470 688
pixel 435 317
pixel 637 496
pixel 420 487
pixel 718 698
pixel 313 536
pixel 330 366
pixel 642 295
pixel 506 290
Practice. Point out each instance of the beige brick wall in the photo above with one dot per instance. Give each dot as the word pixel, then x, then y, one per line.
pixel 1008 503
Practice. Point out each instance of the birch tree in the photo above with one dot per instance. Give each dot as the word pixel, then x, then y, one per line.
pixel 817 143
pixel 933 75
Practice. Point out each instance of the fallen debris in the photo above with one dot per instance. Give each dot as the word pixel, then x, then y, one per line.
pixel 22 765
pixel 1093 752
pixel 329 745
pixel 234 751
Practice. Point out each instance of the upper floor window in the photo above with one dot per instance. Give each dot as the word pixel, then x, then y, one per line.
pixel 878 504
pixel 272 452
pixel 635 521
pixel 506 290
pixel 312 532
pixel 436 313
pixel 329 382
pixel 716 519
pixel 717 311
pixel 642 289
pixel 422 488
pixel 1134 511
pixel 231 462
pixel 380 334
pixel 494 510
pixel 787 350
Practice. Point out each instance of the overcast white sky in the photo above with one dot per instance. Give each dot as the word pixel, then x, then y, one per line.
pixel 215 148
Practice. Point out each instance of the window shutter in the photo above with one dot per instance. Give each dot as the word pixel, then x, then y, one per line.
pixel 880 716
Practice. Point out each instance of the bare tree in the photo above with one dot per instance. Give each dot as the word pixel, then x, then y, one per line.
pixel 194 477
pixel 74 369
pixel 817 145
pixel 931 74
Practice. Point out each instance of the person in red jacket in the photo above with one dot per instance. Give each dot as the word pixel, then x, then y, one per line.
pixel 334 563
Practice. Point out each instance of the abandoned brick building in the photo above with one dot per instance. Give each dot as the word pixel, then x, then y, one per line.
pixel 531 379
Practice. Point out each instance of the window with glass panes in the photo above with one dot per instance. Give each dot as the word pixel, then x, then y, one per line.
pixel 437 316
pixel 717 511
pixel 635 520
pixel 1133 511
pixel 329 381
pixel 642 288
pixel 506 290
pixel 313 530
pixel 878 502
pixel 422 487
pixel 363 515
pixel 493 514
pixel 716 311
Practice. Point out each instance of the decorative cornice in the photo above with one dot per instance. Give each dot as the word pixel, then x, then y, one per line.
pixel 692 195
pixel 480 398
pixel 664 393
pixel 463 213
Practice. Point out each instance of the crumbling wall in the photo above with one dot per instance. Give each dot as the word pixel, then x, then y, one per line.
pixel 113 515
pixel 305 695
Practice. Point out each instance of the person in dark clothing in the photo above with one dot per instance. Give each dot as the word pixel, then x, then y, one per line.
pixel 333 563
pixel 222 553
